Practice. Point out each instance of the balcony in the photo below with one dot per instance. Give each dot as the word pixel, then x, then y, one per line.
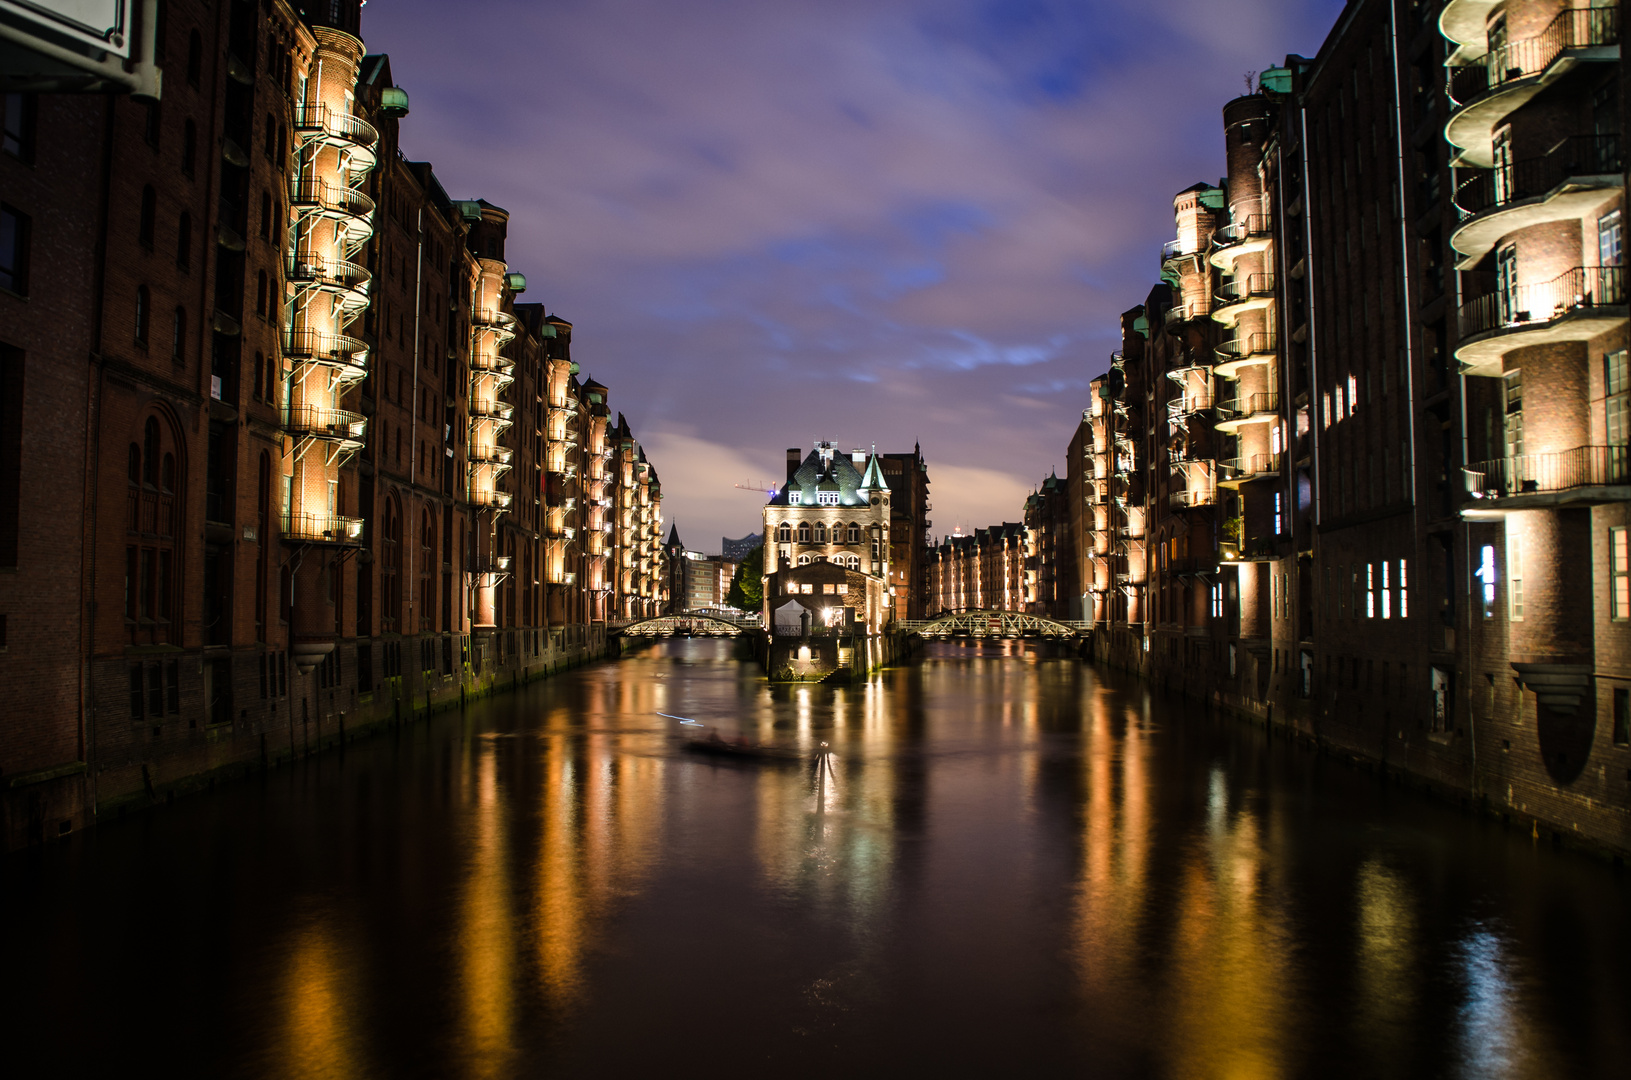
pixel 499 456
pixel 1247 237
pixel 1254 292
pixel 1571 179
pixel 332 425
pixel 489 409
pixel 349 134
pixel 1191 499
pixel 491 499
pixel 1175 250
pixel 346 281
pixel 1241 470
pixel 322 529
pixel 1245 409
pixel 344 355
pixel 1577 305
pixel 1490 88
pixel 1243 352
pixel 351 210
pixel 1583 475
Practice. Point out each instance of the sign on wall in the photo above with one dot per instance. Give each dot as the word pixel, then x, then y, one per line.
pixel 101 24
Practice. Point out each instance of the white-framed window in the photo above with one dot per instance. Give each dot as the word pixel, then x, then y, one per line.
pixel 1353 395
pixel 1279 518
pixel 1514 414
pixel 1488 576
pixel 1617 400
pixel 1506 283
pixel 1610 239
pixel 1217 600
pixel 1404 591
pixel 1387 590
pixel 804 560
pixel 854 534
pixel 1502 146
pixel 792 498
pixel 1619 574
pixel 1370 590
pixel 1514 576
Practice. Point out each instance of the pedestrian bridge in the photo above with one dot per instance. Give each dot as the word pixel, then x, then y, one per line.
pixel 701 622
pixel 993 624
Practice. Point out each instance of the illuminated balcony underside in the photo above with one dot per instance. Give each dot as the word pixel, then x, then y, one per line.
pixel 1571 200
pixel 491 500
pixel 1235 422
pixel 1228 312
pixel 1231 369
pixel 1471 128
pixel 322 529
pixel 1482 354
pixel 1224 258
pixel 1465 22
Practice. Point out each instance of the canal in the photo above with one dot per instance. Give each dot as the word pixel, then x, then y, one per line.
pixel 1014 862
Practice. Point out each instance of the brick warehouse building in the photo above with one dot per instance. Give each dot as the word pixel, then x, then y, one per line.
pixel 1359 449
pixel 321 469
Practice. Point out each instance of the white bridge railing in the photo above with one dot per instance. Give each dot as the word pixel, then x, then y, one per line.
pixel 1005 624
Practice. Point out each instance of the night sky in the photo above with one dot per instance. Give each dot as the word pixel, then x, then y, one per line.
pixel 872 222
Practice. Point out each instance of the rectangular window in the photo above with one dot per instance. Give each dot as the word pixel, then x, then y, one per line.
pixel 17 112
pixel 1404 591
pixel 1514 415
pixel 1506 283
pixel 1486 574
pixel 792 498
pixel 1617 403
pixel 1622 717
pixel 1609 240
pixel 1619 574
pixel 1278 519
pixel 1370 590
pixel 1514 577
pixel 1387 594
pixel 14 232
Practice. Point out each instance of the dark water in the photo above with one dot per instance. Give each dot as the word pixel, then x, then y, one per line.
pixel 1016 863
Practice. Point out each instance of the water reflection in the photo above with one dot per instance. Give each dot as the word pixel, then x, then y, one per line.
pixel 1004 863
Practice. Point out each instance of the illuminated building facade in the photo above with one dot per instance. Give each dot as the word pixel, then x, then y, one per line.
pixel 321 468
pixel 1360 465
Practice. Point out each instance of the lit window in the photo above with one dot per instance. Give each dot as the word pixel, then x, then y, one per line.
pixel 1617 405
pixel 1486 574
pixel 1387 592
pixel 1404 593
pixel 1353 395
pixel 1370 590
pixel 1278 526
pixel 1514 576
pixel 792 498
pixel 1619 573
pixel 827 498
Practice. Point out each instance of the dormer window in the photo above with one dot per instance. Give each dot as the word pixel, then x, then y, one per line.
pixel 792 498
pixel 827 498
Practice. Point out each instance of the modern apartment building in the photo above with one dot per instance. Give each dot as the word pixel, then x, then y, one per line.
pixel 280 452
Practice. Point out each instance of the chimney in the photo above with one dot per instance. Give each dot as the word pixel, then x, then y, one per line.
pixel 858 457
pixel 795 458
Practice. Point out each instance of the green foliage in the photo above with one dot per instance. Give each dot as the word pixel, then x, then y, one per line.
pixel 747 591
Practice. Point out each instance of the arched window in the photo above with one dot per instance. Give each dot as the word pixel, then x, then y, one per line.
pixel 150 452
pixel 821 532
pixel 184 240
pixel 189 147
pixel 260 293
pixel 178 337
pixel 142 303
pixel 854 533
pixel 804 532
pixel 195 58
pixel 144 225
pixel 784 533
pixel 271 382
pixel 804 560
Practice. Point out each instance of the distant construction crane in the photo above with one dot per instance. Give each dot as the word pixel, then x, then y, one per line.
pixel 767 490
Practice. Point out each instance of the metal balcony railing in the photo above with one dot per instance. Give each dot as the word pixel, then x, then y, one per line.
pixel 491 410
pixel 311 119
pixel 1576 156
pixel 321 347
pixel 493 317
pixel 1242 289
pixel 1528 474
pixel 322 528
pixel 1578 28
pixel 491 455
pixel 1189 499
pixel 497 500
pixel 320 423
pixel 1250 345
pixel 1176 249
pixel 1250 465
pixel 336 197
pixel 1581 288
pixel 1255 227
pixel 1250 404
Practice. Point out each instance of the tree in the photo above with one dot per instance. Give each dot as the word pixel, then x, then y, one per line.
pixel 747 591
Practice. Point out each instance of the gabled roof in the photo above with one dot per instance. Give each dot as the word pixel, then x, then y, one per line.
pixel 837 472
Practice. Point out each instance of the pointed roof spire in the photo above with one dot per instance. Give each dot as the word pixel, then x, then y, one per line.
pixel 674 540
pixel 873 480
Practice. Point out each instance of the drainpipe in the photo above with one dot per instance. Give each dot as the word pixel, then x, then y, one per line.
pixel 413 460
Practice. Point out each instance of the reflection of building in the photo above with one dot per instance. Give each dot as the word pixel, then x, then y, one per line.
pixel 330 468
